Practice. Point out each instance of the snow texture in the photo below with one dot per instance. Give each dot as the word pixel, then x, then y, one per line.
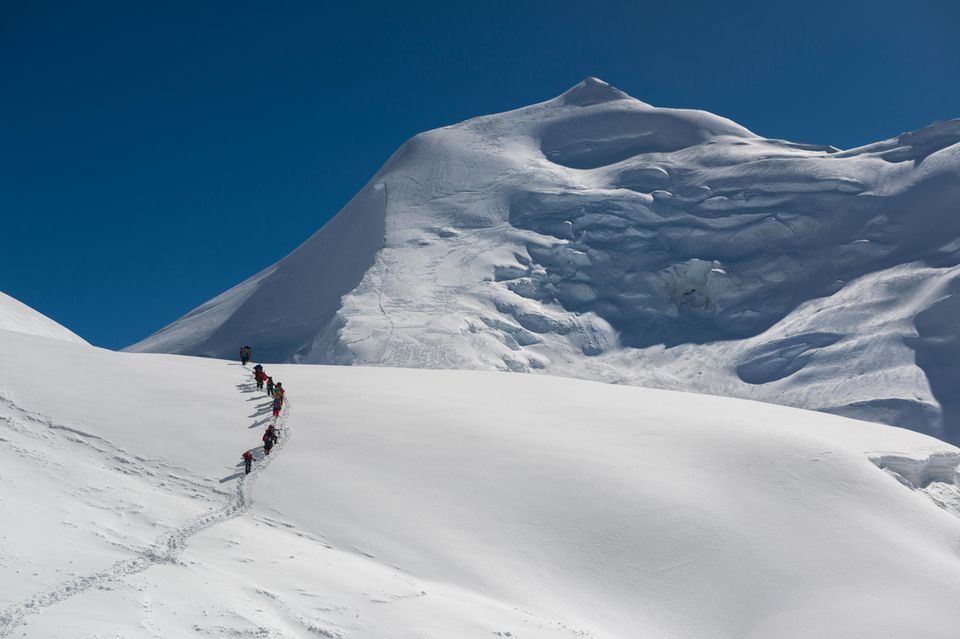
pixel 418 503
pixel 599 237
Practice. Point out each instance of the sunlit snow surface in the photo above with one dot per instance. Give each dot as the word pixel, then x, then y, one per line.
pixel 596 236
pixel 417 503
pixel 18 317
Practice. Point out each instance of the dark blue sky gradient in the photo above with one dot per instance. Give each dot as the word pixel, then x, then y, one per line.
pixel 154 154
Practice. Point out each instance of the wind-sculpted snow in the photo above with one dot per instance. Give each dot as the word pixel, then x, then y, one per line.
pixel 600 138
pixel 937 476
pixel 596 236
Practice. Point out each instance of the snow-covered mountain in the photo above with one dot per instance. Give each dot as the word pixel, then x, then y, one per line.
pixel 417 503
pixel 18 317
pixel 596 236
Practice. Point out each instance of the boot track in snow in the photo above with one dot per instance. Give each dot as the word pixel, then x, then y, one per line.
pixel 164 550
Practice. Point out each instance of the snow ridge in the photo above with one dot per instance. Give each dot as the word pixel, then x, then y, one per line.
pixel 18 317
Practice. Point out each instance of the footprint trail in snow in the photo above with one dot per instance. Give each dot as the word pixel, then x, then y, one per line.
pixel 164 550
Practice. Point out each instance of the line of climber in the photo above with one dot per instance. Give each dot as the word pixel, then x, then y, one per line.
pixel 274 390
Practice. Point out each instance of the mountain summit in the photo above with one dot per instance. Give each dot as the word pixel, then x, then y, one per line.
pixel 593 91
pixel 596 236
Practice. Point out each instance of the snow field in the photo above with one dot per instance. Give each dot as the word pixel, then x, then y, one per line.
pixel 413 503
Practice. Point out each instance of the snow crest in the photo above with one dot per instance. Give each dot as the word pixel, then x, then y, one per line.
pixel 18 317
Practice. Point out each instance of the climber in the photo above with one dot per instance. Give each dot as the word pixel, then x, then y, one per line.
pixel 277 401
pixel 269 439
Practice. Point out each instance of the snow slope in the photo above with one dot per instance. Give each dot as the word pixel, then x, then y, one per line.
pixel 596 236
pixel 418 503
pixel 20 318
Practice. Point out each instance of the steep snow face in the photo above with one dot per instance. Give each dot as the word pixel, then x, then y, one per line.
pixel 18 317
pixel 597 236
pixel 289 310
pixel 418 503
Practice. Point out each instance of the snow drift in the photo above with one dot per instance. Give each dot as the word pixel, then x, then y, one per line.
pixel 596 236
pixel 412 503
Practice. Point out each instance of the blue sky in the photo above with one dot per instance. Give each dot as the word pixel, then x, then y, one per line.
pixel 153 155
